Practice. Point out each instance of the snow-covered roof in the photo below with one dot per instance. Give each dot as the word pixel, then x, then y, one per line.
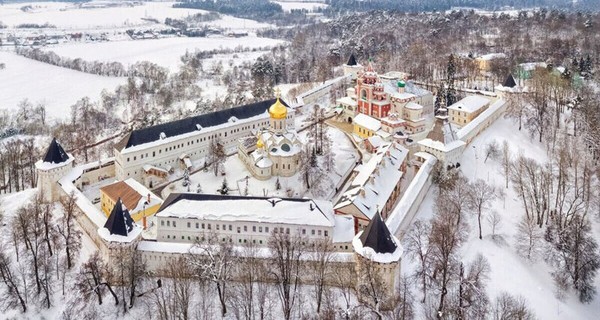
pixel 372 255
pixel 343 231
pixel 348 101
pixel 446 148
pixel 376 141
pixel 375 181
pixel 255 209
pixel 148 167
pixel 400 211
pixel 413 106
pixel 470 104
pixel 367 122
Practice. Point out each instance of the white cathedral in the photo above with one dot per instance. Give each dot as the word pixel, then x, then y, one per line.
pixel 272 151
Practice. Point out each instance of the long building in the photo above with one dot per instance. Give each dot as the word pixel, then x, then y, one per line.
pixel 178 143
pixel 192 217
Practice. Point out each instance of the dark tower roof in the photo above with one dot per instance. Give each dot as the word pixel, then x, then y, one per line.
pixel 377 236
pixel 351 60
pixel 195 123
pixel 119 221
pixel 55 153
pixel 510 81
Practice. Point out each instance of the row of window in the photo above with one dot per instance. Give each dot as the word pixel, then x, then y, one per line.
pixel 225 227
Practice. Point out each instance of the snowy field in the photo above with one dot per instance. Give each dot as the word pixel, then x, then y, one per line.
pixel 287 6
pixel 165 52
pixel 122 15
pixel 58 88
pixel 509 272
pixel 236 173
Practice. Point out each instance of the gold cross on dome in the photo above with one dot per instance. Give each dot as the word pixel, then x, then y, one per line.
pixel 277 93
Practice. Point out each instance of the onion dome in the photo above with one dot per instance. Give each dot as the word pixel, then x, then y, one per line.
pixel 260 144
pixel 278 110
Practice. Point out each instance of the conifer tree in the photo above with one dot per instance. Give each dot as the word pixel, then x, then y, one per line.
pixel 451 73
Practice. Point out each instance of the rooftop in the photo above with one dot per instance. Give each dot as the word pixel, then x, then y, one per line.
pixel 256 209
pixel 367 122
pixel 134 196
pixel 470 104
pixel 193 124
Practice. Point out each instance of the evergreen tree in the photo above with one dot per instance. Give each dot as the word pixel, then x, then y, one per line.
pixel 313 158
pixel 198 188
pixel 224 188
pixel 440 99
pixel 277 184
pixel 450 90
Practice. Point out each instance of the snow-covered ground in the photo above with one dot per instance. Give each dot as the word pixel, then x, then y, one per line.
pixel 66 15
pixel 287 6
pixel 165 52
pixel 509 272
pixel 58 88
pixel 236 173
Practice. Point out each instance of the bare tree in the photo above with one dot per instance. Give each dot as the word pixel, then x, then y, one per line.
pixel 480 196
pixel 173 299
pixel 66 228
pixel 495 220
pixel 492 150
pixel 528 238
pixel 320 255
pixel 216 155
pixel 15 293
pixel 92 280
pixel 417 244
pixel 214 263
pixel 287 251
pixel 508 307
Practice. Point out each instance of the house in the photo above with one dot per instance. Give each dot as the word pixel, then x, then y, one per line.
pixel 139 201
pixel 465 110
pixel 376 185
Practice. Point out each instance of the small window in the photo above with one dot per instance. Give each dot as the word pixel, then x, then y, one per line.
pixel 266 229
pixel 174 224
pixel 189 224
pixel 162 223
pixel 245 228
pixel 303 231
pixel 253 228
pixel 203 226
pixel 259 229
pixel 312 232
pixel 197 225
pixel 168 223
pixel 319 232
pixel 208 226
pixel 230 227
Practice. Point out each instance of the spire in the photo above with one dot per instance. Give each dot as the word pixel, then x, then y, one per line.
pixel 377 236
pixel 119 221
pixel 55 153
pixel 510 81
pixel 351 60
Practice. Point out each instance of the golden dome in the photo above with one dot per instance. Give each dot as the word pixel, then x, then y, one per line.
pixel 278 110
pixel 260 143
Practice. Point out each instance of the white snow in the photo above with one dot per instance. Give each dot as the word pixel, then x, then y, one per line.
pixel 165 52
pixel 255 210
pixel 365 121
pixel 369 253
pixel 470 104
pixel 343 231
pixel 58 88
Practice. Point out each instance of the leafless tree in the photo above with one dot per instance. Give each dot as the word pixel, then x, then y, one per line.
pixel 92 280
pixel 287 251
pixel 508 307
pixel 216 155
pixel 173 300
pixel 495 220
pixel 14 279
pixel 214 263
pixel 320 256
pixel 417 244
pixel 66 228
pixel 492 150
pixel 529 238
pixel 480 196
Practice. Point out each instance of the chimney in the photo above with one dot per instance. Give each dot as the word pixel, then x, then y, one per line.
pixel 148 198
pixel 362 192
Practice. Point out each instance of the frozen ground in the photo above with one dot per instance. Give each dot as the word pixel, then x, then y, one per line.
pixel 58 88
pixel 70 16
pixel 509 272
pixel 165 52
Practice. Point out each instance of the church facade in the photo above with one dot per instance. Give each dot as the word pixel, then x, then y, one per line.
pixel 272 151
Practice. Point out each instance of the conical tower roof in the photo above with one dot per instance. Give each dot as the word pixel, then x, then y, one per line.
pixel 377 236
pixel 510 81
pixel 119 221
pixel 351 60
pixel 55 153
